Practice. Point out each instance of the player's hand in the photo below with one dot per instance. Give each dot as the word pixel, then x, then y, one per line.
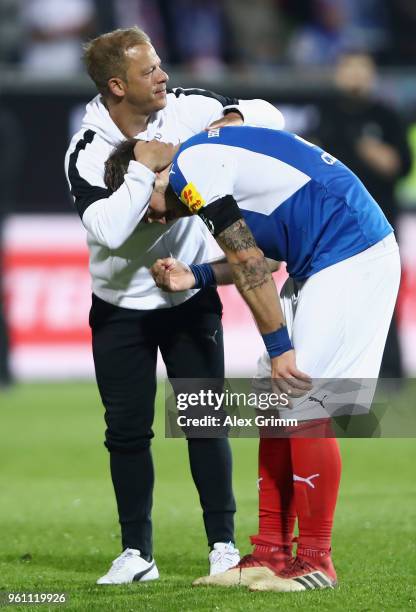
pixel 154 154
pixel 157 210
pixel 172 275
pixel 227 120
pixel 162 180
pixel 287 378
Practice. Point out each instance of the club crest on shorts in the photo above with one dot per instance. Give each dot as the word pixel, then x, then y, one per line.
pixel 191 197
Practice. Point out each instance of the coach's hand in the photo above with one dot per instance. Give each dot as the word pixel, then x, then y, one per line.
pixel 154 154
pixel 156 213
pixel 286 378
pixel 172 275
pixel 228 119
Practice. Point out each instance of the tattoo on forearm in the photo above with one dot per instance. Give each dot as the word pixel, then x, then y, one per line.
pixel 251 274
pixel 237 237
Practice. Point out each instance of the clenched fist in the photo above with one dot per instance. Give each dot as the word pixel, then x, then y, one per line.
pixel 172 275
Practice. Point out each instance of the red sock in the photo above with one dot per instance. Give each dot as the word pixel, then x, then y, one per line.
pixel 316 464
pixel 276 499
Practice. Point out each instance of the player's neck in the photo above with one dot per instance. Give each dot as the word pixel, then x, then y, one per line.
pixel 129 120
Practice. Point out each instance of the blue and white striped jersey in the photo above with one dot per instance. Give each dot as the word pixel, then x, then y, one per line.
pixel 302 205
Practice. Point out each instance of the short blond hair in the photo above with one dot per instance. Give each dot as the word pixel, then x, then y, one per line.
pixel 105 56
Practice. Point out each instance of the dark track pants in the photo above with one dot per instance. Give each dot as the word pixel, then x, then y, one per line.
pixel 125 344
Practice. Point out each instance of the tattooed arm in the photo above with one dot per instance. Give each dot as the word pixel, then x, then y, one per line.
pixel 224 274
pixel 251 272
pixel 173 275
pixel 254 281
pixel 251 275
pixel 246 266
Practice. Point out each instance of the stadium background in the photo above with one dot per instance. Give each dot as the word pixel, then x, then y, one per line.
pixel 58 513
pixel 46 275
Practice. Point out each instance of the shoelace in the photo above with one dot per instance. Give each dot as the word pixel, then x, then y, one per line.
pixel 219 556
pixel 297 565
pixel 119 563
pixel 249 561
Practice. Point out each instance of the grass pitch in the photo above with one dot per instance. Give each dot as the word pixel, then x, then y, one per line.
pixel 59 532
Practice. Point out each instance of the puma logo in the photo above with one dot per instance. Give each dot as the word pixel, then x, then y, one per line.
pixel 213 337
pixel 318 401
pixel 208 223
pixel 307 480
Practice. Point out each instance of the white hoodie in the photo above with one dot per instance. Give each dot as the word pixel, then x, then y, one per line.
pixel 121 248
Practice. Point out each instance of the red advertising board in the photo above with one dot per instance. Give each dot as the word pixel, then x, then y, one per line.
pixel 48 295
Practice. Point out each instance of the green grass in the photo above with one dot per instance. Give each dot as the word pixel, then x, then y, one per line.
pixel 58 527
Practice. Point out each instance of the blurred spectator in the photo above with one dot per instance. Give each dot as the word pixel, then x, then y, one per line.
pixel 10 31
pixel 332 27
pixel 367 26
pixel 322 38
pixel 258 32
pixel 369 137
pixel 197 30
pixel 9 171
pixel 54 32
pixel 148 15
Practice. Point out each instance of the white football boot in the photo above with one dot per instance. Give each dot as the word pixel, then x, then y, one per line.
pixel 222 557
pixel 130 567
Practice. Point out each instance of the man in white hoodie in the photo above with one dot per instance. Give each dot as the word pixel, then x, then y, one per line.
pixel 130 317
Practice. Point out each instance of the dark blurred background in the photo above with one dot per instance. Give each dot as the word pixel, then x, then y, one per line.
pixel 281 50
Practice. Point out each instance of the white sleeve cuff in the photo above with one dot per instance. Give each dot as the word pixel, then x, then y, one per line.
pixel 138 170
pixel 112 220
pixel 259 113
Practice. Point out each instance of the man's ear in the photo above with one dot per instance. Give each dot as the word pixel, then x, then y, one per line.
pixel 175 208
pixel 117 87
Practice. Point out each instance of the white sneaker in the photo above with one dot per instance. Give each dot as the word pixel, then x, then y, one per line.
pixel 222 557
pixel 130 567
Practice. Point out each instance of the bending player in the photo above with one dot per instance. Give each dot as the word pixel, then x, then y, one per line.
pixel 263 189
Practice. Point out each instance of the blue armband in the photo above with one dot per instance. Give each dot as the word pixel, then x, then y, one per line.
pixel 277 342
pixel 204 275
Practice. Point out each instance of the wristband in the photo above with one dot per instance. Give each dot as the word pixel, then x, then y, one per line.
pixel 204 275
pixel 277 342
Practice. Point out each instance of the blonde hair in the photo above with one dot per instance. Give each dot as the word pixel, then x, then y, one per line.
pixel 105 56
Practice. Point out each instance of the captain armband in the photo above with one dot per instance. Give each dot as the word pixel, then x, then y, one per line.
pixel 220 215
